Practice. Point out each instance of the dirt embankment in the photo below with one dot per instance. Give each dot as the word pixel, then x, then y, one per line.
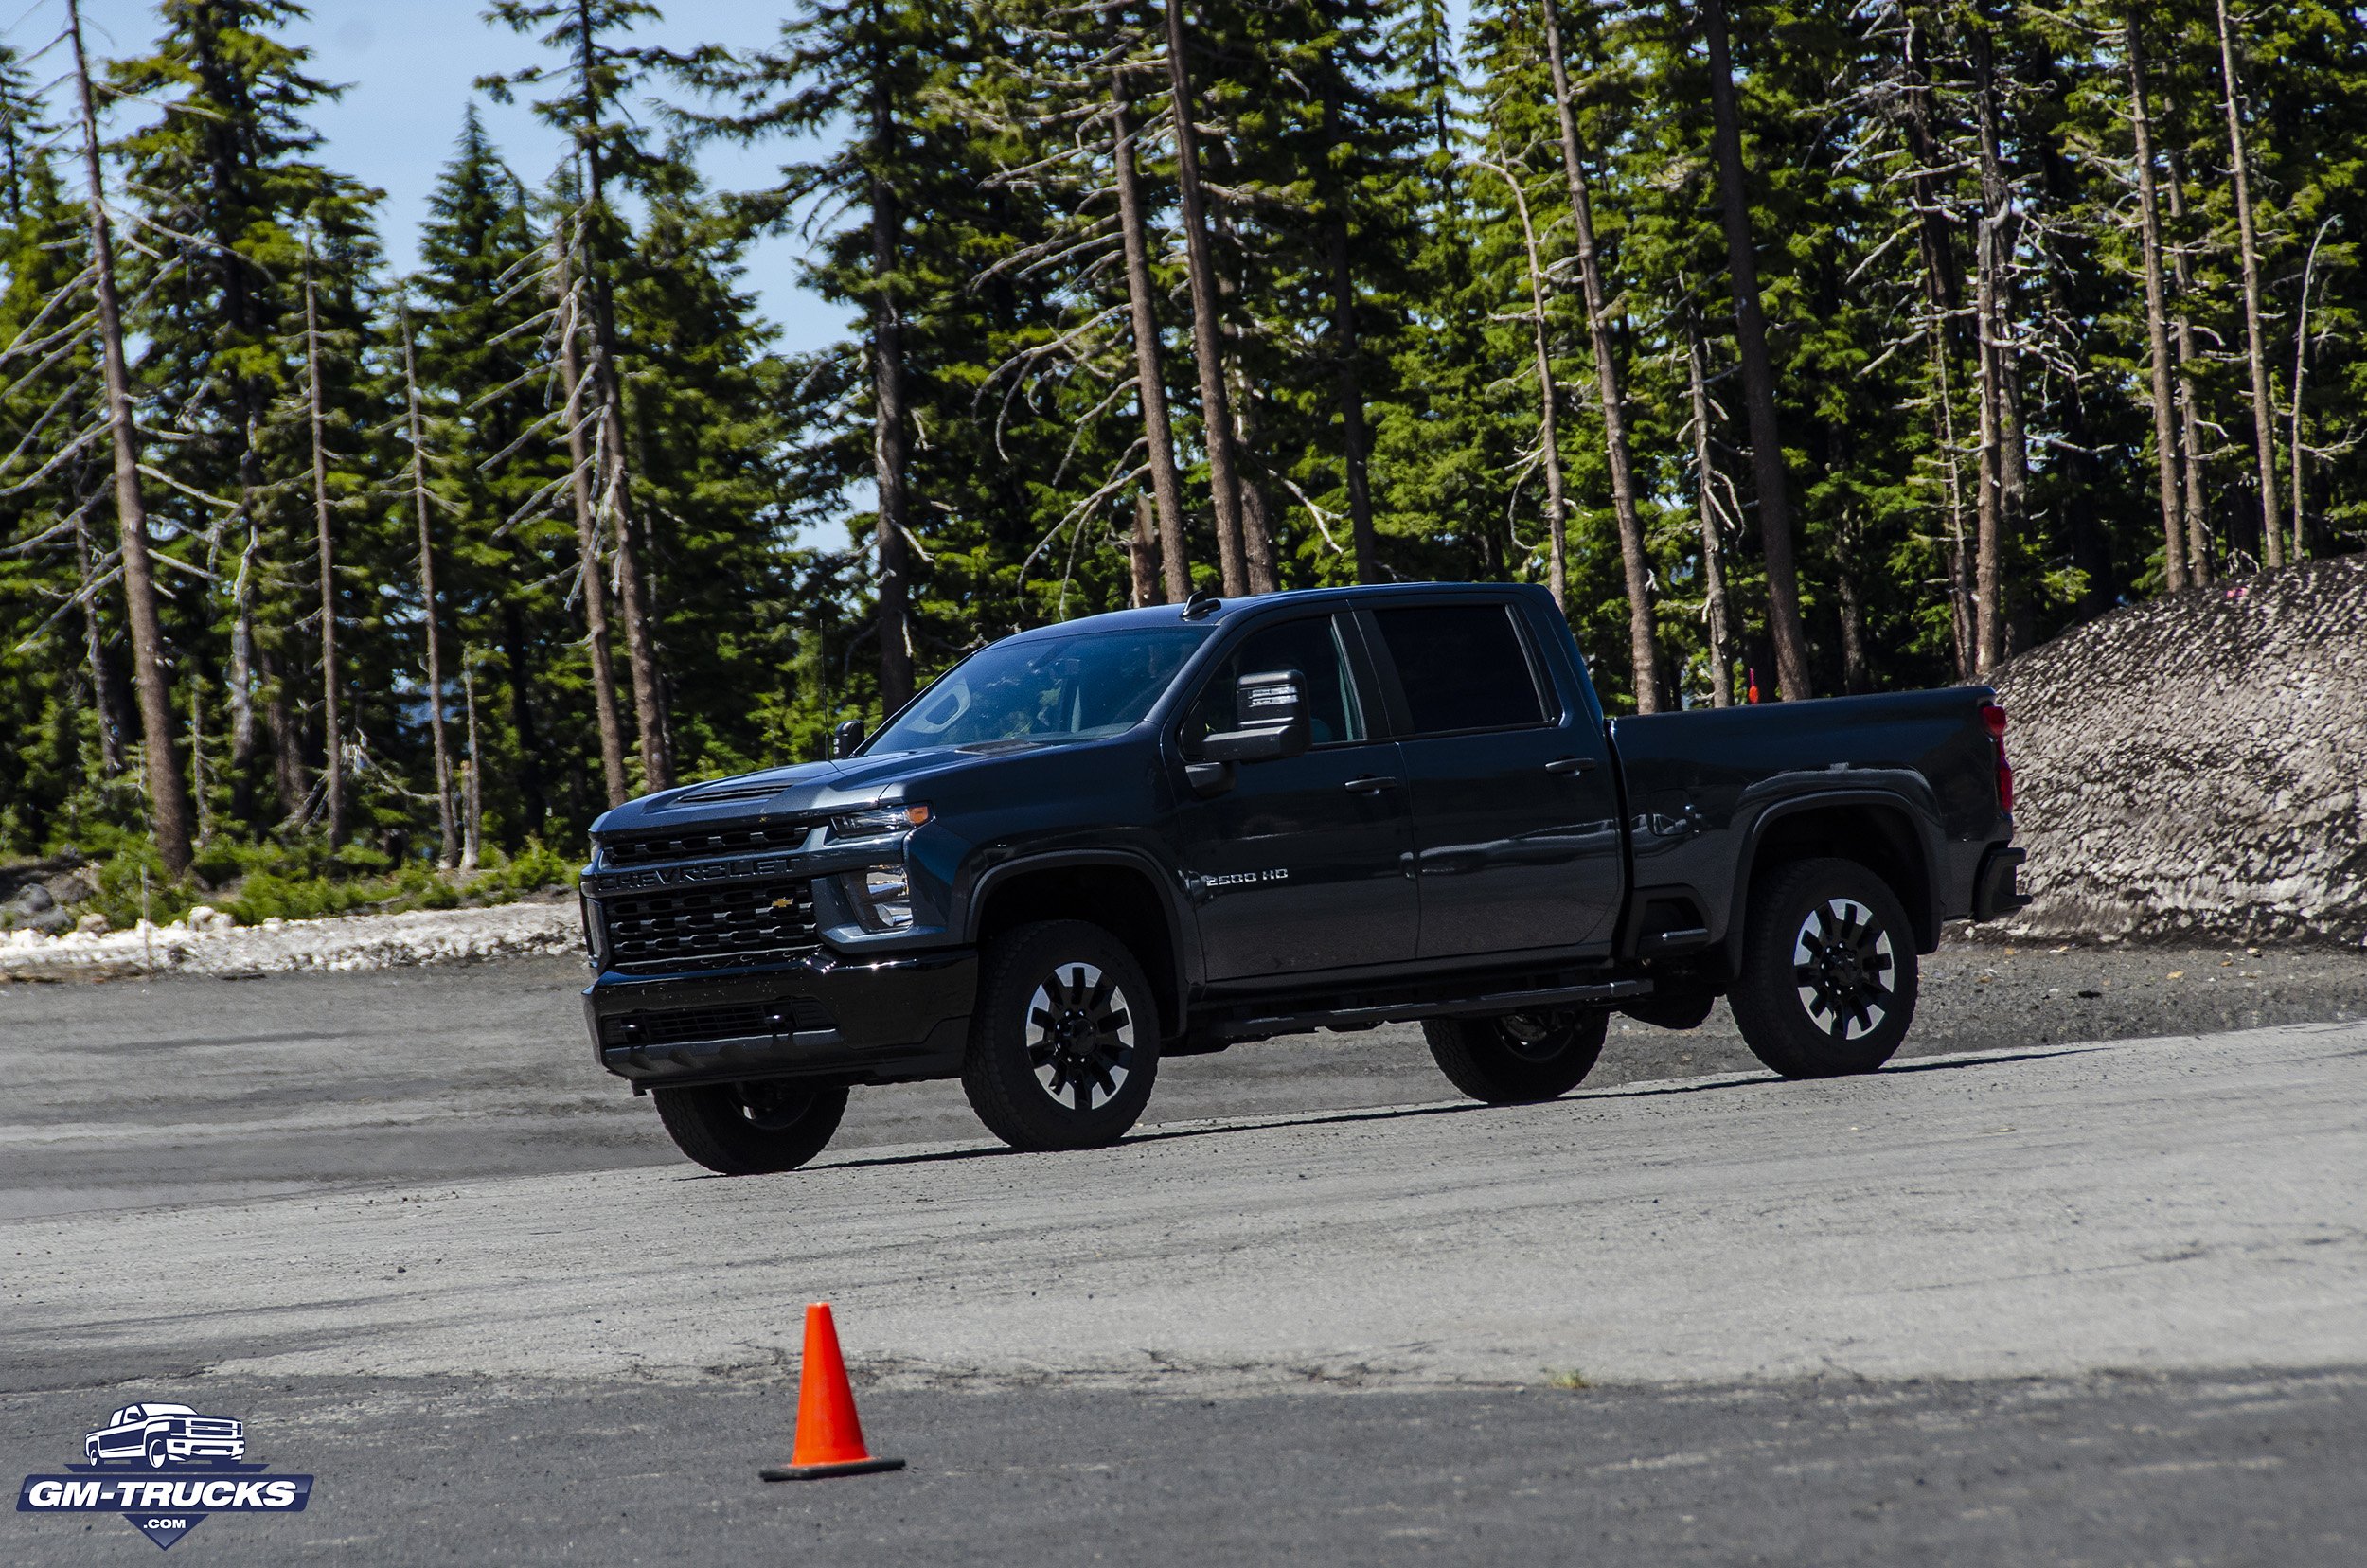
pixel 2196 766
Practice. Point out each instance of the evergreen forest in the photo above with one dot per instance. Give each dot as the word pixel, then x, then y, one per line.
pixel 1800 348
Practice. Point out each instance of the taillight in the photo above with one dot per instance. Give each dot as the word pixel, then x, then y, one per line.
pixel 1993 717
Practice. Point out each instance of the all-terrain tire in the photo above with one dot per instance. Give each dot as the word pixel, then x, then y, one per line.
pixel 1829 975
pixel 751 1128
pixel 1064 1039
pixel 1519 1058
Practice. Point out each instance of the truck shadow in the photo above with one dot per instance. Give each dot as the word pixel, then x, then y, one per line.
pixel 1406 1112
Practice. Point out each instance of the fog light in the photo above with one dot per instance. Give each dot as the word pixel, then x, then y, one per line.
pixel 886 898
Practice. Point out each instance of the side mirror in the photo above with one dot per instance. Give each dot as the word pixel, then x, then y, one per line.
pixel 1271 711
pixel 844 738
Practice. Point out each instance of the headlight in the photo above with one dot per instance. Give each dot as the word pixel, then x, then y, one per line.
pixel 899 818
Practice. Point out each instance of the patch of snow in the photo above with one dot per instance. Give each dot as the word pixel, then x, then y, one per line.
pixel 207 942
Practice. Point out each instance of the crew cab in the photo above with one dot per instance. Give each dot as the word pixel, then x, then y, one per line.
pixel 165 1434
pixel 1168 831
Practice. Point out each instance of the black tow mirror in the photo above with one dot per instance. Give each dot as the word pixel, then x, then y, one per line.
pixel 1272 712
pixel 844 738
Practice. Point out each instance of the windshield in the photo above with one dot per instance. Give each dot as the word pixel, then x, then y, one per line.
pixel 1044 689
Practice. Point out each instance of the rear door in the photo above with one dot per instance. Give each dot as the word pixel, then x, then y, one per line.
pixel 1516 816
pixel 1305 863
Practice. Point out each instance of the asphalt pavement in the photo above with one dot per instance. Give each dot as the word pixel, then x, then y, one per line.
pixel 2025 1296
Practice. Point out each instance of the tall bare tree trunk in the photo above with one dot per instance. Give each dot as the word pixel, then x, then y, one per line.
pixel 1167 486
pixel 1642 646
pixel 332 742
pixel 1758 375
pixel 1142 556
pixel 1355 442
pixel 1937 238
pixel 473 799
pixel 2183 330
pixel 1346 345
pixel 242 681
pixel 1548 442
pixel 2157 320
pixel 595 578
pixel 1216 406
pixel 1705 501
pixel 2000 480
pixel 632 591
pixel 447 853
pixel 891 434
pixel 2300 374
pixel 105 699
pixel 2255 346
pixel 168 799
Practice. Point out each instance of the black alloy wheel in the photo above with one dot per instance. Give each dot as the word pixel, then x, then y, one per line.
pixel 1829 975
pixel 1064 1043
pixel 1519 1057
pixel 751 1128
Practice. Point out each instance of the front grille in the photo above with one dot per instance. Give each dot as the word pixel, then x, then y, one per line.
pixel 698 842
pixel 708 927
pixel 213 1429
pixel 680 1025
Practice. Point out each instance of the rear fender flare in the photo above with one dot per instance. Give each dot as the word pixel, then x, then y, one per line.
pixel 1922 824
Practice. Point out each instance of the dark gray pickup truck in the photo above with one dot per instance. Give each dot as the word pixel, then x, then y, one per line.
pixel 1168 831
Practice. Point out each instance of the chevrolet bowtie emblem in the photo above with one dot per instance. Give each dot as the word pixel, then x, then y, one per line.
pixel 780 903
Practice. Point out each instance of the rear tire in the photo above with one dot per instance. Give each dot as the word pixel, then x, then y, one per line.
pixel 1519 1058
pixel 1828 970
pixel 1064 1043
pixel 751 1128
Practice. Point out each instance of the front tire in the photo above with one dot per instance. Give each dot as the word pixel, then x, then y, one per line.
pixel 1521 1057
pixel 157 1455
pixel 1064 1043
pixel 1828 970
pixel 751 1128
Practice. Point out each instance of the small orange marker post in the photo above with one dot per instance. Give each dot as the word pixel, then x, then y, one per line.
pixel 830 1435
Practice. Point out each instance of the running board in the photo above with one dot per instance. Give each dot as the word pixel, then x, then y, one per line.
pixel 1260 1026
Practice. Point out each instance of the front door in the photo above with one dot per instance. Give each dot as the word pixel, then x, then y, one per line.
pixel 1516 817
pixel 1303 865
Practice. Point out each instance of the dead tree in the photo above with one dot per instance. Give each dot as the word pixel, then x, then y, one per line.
pixel 1643 650
pixel 1548 442
pixel 167 798
pixel 1216 410
pixel 332 752
pixel 447 854
pixel 2157 320
pixel 1167 486
pixel 1713 553
pixel 594 579
pixel 1758 374
pixel 2255 344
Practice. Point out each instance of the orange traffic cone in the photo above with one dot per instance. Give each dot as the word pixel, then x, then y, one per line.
pixel 830 1435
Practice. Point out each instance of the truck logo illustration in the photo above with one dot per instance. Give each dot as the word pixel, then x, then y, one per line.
pixel 162 1435
pixel 165 1468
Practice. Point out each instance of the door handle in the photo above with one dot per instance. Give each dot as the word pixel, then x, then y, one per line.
pixel 1571 765
pixel 1371 784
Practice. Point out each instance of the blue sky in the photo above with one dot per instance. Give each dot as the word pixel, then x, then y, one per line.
pixel 408 66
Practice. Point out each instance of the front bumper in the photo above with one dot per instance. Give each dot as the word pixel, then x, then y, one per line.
pixel 206 1448
pixel 820 1016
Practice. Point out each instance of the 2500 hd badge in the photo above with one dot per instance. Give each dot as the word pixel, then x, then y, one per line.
pixel 167 1469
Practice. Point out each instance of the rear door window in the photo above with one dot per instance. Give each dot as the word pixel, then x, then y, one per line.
pixel 1462 668
pixel 1310 646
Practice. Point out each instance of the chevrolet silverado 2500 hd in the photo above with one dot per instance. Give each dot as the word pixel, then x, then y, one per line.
pixel 1166 830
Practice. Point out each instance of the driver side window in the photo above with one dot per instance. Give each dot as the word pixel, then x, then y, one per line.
pixel 1310 646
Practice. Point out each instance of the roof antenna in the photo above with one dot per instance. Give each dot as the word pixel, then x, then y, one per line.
pixel 1201 605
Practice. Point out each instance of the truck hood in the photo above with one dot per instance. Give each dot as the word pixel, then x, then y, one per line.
pixel 801 790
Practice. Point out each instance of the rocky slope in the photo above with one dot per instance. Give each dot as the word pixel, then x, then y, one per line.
pixel 2196 766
